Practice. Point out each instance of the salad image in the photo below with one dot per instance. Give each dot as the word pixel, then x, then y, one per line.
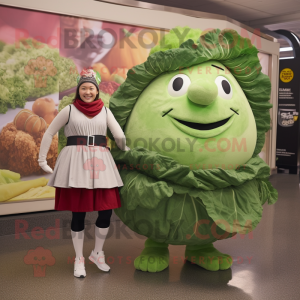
pixel 30 69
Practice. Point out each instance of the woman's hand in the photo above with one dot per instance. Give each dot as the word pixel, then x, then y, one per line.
pixel 127 148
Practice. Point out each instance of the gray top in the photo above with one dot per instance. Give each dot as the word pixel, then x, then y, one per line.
pixel 84 166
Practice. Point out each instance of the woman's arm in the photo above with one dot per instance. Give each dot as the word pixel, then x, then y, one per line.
pixel 116 131
pixel 58 122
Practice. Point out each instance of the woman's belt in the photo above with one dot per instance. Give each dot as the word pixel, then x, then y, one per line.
pixel 89 140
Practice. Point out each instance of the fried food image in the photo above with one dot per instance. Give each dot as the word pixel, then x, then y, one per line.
pixel 19 151
pixel 29 122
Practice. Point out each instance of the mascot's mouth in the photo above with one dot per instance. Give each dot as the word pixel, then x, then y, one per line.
pixel 200 126
pixel 201 130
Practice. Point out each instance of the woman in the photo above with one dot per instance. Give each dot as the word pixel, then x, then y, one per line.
pixel 85 175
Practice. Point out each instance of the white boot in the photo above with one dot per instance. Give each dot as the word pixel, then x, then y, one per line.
pixel 99 260
pixel 97 255
pixel 79 268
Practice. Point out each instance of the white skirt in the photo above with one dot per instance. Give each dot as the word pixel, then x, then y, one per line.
pixel 85 167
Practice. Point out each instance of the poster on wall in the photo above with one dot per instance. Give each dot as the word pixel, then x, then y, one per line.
pixel 41 55
pixel 287 147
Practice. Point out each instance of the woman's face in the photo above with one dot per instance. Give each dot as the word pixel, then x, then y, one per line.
pixel 88 92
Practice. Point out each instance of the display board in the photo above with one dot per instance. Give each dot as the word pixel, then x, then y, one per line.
pixel 287 150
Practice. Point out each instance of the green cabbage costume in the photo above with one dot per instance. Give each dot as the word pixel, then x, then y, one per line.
pixel 195 114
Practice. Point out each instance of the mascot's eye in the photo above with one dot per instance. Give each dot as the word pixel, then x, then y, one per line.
pixel 224 87
pixel 178 85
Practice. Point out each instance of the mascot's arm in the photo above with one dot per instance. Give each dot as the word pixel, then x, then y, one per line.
pixel 116 131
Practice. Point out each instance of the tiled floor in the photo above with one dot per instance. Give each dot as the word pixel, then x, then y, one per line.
pixel 265 266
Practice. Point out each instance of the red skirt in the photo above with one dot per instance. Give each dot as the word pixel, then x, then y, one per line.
pixel 85 200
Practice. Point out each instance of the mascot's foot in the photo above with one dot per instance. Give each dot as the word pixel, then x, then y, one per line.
pixel 208 257
pixel 154 258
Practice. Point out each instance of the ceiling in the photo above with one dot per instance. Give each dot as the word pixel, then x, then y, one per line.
pixel 268 15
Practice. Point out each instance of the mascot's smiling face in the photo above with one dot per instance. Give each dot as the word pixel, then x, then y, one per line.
pixel 198 116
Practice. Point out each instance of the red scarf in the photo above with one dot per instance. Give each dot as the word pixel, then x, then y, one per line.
pixel 90 109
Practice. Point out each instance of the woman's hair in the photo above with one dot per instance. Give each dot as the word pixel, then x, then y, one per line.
pixel 77 96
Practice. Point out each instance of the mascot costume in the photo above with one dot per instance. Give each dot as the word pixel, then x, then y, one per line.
pixel 196 113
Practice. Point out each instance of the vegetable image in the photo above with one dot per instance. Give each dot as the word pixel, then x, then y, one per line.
pixel 67 72
pixel 103 71
pixel 108 87
pixel 117 78
pixel 197 126
pixel 13 92
pixel 2 44
pixel 127 52
pixel 29 122
pixel 39 258
pixel 7 176
pixel 40 68
pixel 10 190
pixel 45 108
pixel 119 75
pixel 41 192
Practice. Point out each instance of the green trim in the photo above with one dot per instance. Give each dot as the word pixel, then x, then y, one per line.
pixel 165 200
pixel 165 169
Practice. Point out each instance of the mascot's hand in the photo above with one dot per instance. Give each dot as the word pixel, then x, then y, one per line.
pixel 127 148
pixel 45 167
